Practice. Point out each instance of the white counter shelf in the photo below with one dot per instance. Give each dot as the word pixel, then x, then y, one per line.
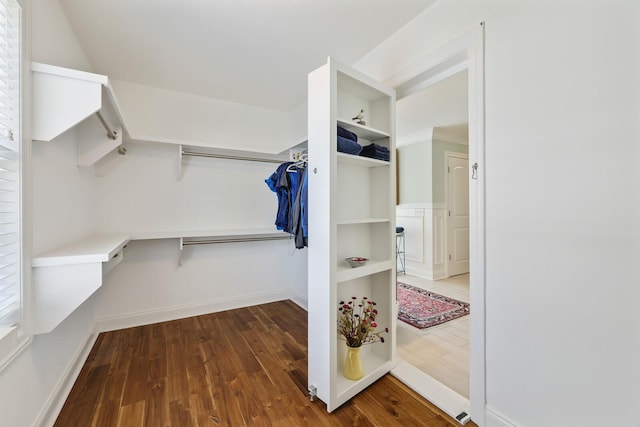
pixel 67 276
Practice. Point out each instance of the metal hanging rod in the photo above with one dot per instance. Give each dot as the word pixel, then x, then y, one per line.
pixel 235 240
pixel 112 134
pixel 230 157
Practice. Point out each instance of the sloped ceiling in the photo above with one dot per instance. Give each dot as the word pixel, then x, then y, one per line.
pixel 442 105
pixel 255 52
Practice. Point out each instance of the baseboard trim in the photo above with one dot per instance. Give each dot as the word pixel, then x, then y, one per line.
pixel 495 419
pixel 188 310
pixel 299 300
pixel 55 402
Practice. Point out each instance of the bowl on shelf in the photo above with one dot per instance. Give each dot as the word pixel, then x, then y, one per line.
pixel 356 261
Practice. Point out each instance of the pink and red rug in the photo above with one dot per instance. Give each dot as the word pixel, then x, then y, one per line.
pixel 423 309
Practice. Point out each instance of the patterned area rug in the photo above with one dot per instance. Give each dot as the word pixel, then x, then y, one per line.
pixel 423 309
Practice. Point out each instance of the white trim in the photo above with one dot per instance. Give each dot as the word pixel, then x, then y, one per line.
pixel 495 419
pixel 477 229
pixel 451 140
pixel 53 405
pixel 430 66
pixel 420 206
pixel 9 338
pixel 189 310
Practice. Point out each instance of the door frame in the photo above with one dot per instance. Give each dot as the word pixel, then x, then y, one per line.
pixel 465 52
pixel 447 202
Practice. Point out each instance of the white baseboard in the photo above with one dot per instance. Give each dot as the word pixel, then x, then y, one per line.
pixel 423 274
pixel 189 310
pixel 54 403
pixel 300 300
pixel 495 419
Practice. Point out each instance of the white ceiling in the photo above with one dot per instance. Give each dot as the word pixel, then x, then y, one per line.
pixel 255 52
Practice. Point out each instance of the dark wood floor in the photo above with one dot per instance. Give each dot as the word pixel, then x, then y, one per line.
pixel 244 367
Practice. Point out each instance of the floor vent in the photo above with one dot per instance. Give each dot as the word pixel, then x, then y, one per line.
pixel 463 418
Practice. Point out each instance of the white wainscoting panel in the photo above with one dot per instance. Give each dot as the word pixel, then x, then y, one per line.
pixel 413 222
pixel 424 239
pixel 439 267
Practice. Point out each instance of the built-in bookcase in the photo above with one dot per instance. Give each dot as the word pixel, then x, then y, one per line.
pixel 352 213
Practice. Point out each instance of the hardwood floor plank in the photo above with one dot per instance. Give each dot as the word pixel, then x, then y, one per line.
pixel 244 367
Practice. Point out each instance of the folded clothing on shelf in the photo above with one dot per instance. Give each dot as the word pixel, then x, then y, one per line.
pixel 347 134
pixel 349 146
pixel 375 151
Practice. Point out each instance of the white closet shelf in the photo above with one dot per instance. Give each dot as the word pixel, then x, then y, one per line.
pixel 214 234
pixel 64 98
pixel 365 132
pixel 367 162
pixel 344 271
pixel 96 248
pixel 66 277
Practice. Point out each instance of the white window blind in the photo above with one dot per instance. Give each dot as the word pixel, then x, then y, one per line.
pixel 10 137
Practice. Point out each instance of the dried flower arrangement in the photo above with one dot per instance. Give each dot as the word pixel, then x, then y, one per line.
pixel 357 322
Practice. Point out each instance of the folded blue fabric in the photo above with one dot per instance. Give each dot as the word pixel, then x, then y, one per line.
pixel 348 146
pixel 375 151
pixel 347 134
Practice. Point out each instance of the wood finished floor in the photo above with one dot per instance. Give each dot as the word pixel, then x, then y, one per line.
pixel 244 367
pixel 441 351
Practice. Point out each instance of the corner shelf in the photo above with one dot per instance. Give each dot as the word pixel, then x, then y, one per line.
pixel 67 276
pixel 64 98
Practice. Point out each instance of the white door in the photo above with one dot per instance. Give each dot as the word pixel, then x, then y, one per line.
pixel 458 214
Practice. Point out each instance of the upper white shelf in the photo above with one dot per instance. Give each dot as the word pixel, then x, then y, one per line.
pixel 214 234
pixel 64 98
pixel 93 249
pixel 367 162
pixel 365 132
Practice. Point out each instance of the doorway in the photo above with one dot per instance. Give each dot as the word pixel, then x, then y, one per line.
pixel 464 53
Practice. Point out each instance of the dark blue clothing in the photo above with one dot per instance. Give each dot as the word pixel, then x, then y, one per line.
pixel 347 134
pixel 291 188
pixel 375 151
pixel 278 182
pixel 348 146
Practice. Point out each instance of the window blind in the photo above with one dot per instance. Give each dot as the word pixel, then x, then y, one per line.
pixel 10 137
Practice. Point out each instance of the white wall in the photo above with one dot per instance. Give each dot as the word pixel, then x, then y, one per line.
pixel 143 194
pixel 562 102
pixel 155 114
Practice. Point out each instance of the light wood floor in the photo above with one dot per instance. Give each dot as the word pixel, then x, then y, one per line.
pixel 441 351
pixel 244 367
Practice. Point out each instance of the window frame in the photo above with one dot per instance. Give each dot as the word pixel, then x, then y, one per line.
pixel 14 339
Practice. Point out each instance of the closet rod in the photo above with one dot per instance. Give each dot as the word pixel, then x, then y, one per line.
pixel 112 134
pixel 230 157
pixel 236 240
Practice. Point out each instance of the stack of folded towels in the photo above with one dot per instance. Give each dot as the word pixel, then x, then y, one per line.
pixel 348 142
pixel 375 151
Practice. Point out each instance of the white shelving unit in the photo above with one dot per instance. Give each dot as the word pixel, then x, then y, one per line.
pixel 66 277
pixel 64 98
pixel 353 214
